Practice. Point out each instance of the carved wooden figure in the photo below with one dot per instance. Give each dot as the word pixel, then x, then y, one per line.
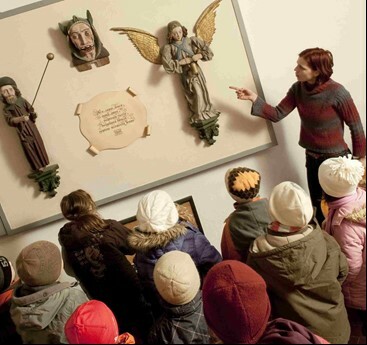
pixel 19 113
pixel 181 55
pixel 84 42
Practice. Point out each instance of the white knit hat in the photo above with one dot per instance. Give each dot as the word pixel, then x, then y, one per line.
pixel 340 176
pixel 176 277
pixel 290 205
pixel 156 212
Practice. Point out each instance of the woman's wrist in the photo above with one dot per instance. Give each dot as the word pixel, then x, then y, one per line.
pixel 254 98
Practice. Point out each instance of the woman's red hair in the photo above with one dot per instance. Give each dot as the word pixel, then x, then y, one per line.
pixel 319 60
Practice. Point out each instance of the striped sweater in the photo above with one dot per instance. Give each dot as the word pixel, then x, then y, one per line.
pixel 323 112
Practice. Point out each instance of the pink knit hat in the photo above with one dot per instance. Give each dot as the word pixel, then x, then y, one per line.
pixel 236 304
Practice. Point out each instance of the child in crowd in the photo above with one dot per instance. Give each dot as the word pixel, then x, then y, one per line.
pixel 237 309
pixel 178 283
pixel 8 281
pixel 94 253
pixel 302 265
pixel 41 305
pixel 94 323
pixel 346 222
pixel 160 231
pixel 250 218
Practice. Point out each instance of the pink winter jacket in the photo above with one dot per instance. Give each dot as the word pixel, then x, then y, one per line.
pixel 347 223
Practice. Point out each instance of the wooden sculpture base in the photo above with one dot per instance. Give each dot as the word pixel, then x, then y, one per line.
pixel 88 65
pixel 47 179
pixel 207 129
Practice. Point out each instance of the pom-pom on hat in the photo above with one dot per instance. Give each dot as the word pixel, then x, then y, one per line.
pixel 235 302
pixel 6 273
pixel 156 212
pixel 39 263
pixel 243 184
pixel 92 323
pixel 290 205
pixel 176 277
pixel 340 176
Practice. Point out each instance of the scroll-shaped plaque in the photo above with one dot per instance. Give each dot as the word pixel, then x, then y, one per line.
pixel 112 120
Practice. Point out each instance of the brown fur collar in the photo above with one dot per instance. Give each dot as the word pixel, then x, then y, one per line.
pixel 144 241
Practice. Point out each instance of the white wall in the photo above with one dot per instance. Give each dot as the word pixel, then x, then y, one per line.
pixel 278 31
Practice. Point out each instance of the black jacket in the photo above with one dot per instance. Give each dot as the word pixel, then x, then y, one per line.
pixel 97 260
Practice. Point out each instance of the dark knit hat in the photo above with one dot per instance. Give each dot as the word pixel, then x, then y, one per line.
pixel 236 304
pixel 39 263
pixel 7 81
pixel 243 184
pixel 6 274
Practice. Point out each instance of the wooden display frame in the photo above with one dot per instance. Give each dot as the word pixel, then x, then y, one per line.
pixel 170 153
pixel 29 5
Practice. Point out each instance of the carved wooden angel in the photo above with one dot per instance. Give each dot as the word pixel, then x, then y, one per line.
pixel 181 55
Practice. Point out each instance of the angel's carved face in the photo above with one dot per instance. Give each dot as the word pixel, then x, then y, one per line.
pixel 82 37
pixel 177 33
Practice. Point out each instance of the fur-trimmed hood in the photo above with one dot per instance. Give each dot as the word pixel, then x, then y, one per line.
pixel 144 241
pixel 351 208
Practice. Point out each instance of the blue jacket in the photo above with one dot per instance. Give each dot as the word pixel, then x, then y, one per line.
pixel 184 236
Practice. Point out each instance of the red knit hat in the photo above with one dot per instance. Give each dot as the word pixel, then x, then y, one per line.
pixel 92 323
pixel 236 304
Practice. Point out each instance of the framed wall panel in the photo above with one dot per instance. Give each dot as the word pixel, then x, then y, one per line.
pixel 172 151
pixel 13 7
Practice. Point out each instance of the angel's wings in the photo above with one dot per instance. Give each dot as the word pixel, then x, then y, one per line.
pixel 147 44
pixel 144 42
pixel 205 25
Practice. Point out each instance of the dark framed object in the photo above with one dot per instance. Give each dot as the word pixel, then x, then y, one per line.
pixel 186 210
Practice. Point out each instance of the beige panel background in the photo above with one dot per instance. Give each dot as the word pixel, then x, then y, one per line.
pixel 172 150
